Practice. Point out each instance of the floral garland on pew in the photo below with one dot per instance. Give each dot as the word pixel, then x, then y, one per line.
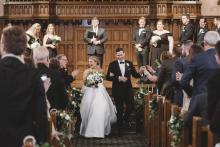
pixel 139 99
pixel 64 118
pixel 153 107
pixel 175 125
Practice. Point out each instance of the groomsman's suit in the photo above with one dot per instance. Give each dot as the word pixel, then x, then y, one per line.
pixel 186 33
pixel 200 33
pixel 98 49
pixel 122 91
pixel 142 36
pixel 23 108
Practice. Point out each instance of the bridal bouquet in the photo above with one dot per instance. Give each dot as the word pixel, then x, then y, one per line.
pixel 56 39
pixel 34 45
pixel 154 40
pixel 93 79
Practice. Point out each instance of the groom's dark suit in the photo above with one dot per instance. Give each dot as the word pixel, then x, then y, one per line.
pixel 122 91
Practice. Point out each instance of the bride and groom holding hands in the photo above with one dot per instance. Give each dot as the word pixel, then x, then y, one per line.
pixel 97 109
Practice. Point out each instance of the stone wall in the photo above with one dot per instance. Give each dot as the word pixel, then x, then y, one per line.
pixel 210 8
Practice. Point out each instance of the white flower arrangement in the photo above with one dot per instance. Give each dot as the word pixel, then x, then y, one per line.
pixel 175 125
pixel 93 79
pixel 153 108
pixel 154 40
pixel 56 39
pixel 34 45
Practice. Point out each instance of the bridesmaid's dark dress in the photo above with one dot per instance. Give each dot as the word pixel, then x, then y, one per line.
pixel 52 51
pixel 28 50
pixel 162 45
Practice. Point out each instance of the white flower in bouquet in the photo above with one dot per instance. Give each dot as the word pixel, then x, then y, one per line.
pixel 93 79
pixel 34 45
pixel 154 40
pixel 56 39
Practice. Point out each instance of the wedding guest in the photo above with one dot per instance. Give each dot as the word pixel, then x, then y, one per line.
pixel 95 37
pixel 141 39
pixel 201 31
pixel 120 72
pixel 217 24
pixel 187 29
pixel 199 69
pixel 164 42
pixel 63 61
pixel 51 41
pixel 213 97
pixel 33 38
pixel 23 104
pixel 56 93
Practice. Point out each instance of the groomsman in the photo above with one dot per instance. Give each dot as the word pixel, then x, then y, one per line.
pixel 23 104
pixel 120 72
pixel 217 24
pixel 187 29
pixel 95 37
pixel 141 39
pixel 201 31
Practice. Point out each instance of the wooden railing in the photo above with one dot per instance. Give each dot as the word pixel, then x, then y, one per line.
pixel 106 9
pixel 157 132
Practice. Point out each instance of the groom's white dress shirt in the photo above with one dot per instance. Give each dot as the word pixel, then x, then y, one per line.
pixel 122 67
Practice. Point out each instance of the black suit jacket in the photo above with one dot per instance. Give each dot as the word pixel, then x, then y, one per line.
pixel 23 108
pixel 214 103
pixel 56 94
pixel 121 87
pixel 202 66
pixel 68 79
pixel 186 33
pixel 200 33
pixel 143 38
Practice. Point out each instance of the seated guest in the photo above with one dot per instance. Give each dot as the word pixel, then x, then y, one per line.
pixel 23 105
pixel 64 71
pixel 56 94
pixel 214 97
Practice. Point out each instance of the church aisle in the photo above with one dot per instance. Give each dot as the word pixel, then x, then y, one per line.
pixel 127 140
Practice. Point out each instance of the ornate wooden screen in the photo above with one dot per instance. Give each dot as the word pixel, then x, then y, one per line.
pixel 118 17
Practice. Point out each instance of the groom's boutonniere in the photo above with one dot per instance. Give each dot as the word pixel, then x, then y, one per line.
pixel 127 64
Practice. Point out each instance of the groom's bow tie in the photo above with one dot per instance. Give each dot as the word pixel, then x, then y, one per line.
pixel 122 62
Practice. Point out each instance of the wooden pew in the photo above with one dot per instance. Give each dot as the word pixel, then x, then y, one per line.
pixel 201 135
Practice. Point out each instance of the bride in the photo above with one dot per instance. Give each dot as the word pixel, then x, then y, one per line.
pixel 97 110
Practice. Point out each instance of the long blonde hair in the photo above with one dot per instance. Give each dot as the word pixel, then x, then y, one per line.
pixel 50 25
pixel 33 28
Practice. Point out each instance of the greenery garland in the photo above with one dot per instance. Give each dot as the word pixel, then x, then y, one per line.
pixel 175 125
pixel 139 99
pixel 75 97
pixel 153 108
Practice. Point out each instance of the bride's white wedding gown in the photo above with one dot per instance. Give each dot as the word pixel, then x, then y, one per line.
pixel 97 112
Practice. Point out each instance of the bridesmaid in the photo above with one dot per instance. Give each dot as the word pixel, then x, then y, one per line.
pixel 164 44
pixel 48 41
pixel 33 39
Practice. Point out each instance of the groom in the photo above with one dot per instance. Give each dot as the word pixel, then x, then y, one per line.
pixel 119 72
